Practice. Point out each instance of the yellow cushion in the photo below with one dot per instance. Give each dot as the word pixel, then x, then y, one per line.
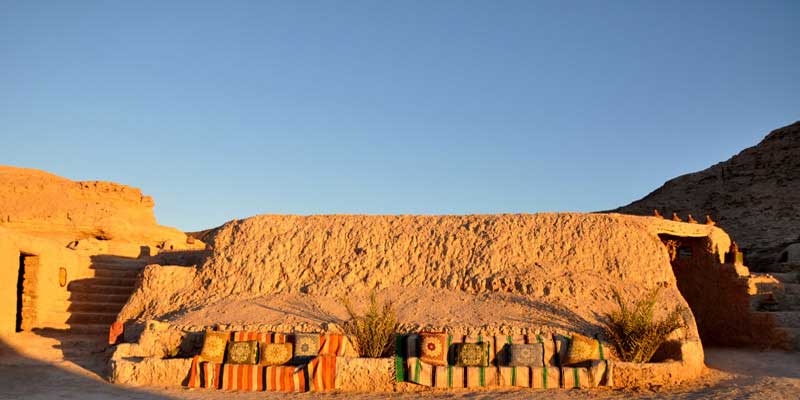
pixel 275 353
pixel 581 349
pixel 214 345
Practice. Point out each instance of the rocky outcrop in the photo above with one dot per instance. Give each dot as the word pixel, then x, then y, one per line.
pixel 754 196
pixel 41 203
pixel 74 250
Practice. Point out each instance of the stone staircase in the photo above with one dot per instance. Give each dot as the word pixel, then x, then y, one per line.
pixel 95 302
pixel 775 294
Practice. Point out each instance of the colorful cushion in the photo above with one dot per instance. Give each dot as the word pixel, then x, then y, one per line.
pixel 581 349
pixel 433 348
pixel 275 353
pixel 471 354
pixel 524 355
pixel 214 344
pixel 242 352
pixel 306 347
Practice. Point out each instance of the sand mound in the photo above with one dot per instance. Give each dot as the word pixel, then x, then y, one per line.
pixel 456 271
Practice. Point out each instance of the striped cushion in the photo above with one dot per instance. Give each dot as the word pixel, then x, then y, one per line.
pixel 250 377
pixel 327 345
pixel 448 376
pixel 596 373
pixel 318 375
pixel 264 337
pixel 335 345
pixel 409 367
pixel 599 373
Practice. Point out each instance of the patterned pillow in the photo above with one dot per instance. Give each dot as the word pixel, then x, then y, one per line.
pixel 306 347
pixel 433 348
pixel 275 353
pixel 524 355
pixel 581 349
pixel 471 354
pixel 214 344
pixel 242 352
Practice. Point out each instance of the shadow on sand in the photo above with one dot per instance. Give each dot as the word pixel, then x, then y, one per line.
pixel 23 377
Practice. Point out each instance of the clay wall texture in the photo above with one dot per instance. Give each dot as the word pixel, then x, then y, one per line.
pixel 67 224
pixel 560 267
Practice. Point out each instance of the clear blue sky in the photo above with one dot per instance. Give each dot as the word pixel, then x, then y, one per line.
pixel 229 109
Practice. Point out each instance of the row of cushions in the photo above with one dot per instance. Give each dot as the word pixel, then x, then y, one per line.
pixel 435 349
pixel 218 348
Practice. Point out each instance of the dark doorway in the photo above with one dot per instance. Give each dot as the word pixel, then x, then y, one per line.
pixel 714 291
pixel 20 288
pixel 26 288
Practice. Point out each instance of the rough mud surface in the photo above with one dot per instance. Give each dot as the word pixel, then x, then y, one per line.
pixel 754 196
pixel 444 271
pixel 35 367
pixel 44 204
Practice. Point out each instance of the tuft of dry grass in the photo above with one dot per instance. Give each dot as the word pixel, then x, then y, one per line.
pixel 633 330
pixel 374 330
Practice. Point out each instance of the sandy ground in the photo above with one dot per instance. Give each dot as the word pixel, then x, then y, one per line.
pixel 417 308
pixel 47 367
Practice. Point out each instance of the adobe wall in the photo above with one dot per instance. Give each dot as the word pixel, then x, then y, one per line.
pixel 719 294
pixel 66 224
pixel 456 273
pixel 50 296
pixel 445 272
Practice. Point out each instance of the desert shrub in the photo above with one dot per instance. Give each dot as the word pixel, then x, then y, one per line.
pixel 374 330
pixel 633 330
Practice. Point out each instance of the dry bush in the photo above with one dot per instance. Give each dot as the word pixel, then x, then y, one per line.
pixel 373 331
pixel 634 332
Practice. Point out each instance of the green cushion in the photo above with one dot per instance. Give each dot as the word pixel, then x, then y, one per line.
pixel 471 354
pixel 242 352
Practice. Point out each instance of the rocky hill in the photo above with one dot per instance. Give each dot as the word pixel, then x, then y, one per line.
pixel 44 204
pixel 754 196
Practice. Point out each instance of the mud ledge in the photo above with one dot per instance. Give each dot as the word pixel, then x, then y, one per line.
pixel 148 363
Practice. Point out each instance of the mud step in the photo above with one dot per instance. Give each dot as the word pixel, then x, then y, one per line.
pixel 787 277
pixel 114 281
pixel 92 318
pixel 783 267
pixel 792 338
pixel 769 283
pixel 100 289
pixel 95 307
pixel 118 267
pixel 785 319
pixel 117 273
pixel 791 289
pixel 92 297
pixel 114 260
pixel 788 301
pixel 120 282
pixel 100 330
pixel 78 339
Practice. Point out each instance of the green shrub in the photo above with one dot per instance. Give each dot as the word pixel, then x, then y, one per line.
pixel 634 332
pixel 373 331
